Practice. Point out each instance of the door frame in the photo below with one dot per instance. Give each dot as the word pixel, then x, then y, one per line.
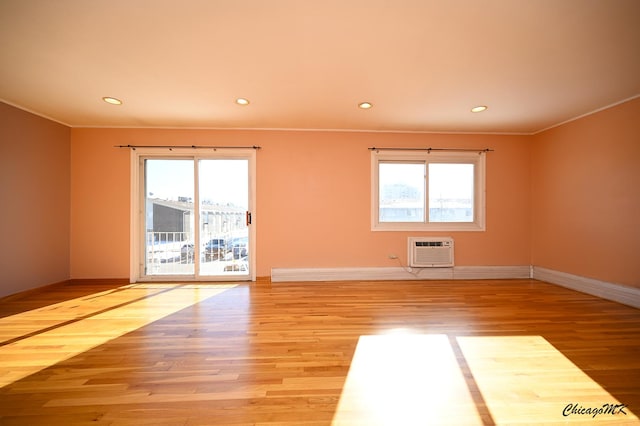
pixel 137 210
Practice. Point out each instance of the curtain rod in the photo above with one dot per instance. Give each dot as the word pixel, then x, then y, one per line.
pixel 171 147
pixel 433 149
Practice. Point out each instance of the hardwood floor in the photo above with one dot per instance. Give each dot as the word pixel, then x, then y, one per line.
pixel 350 353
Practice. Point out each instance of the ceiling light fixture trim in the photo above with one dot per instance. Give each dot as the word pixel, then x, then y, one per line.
pixel 111 100
pixel 479 108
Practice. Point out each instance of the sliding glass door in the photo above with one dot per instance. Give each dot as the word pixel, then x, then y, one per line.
pixel 195 217
pixel 224 217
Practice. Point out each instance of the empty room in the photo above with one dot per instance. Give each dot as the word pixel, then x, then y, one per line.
pixel 294 212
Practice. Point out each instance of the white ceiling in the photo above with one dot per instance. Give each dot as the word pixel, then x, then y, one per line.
pixel 306 64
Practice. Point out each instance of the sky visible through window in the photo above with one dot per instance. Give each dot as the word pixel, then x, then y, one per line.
pixel 219 182
pixel 402 191
pixel 451 181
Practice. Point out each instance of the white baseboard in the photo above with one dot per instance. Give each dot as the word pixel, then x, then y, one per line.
pixel 616 292
pixel 399 273
pixel 491 272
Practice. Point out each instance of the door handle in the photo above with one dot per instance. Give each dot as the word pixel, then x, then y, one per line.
pixel 248 218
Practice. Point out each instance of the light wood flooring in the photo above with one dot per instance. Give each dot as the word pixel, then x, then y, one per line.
pixel 349 353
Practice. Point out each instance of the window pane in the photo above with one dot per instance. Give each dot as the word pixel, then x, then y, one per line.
pixel 224 201
pixel 169 217
pixel 401 192
pixel 451 192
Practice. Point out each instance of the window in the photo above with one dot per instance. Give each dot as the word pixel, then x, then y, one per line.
pixel 427 190
pixel 190 214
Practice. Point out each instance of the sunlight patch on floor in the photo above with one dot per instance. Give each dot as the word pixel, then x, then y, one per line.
pixel 525 378
pixel 415 379
pixel 36 320
pixel 405 379
pixel 116 314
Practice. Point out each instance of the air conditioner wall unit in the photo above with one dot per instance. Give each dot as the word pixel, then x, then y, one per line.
pixel 430 252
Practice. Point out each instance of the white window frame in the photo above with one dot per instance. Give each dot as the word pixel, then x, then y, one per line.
pixel 478 159
pixel 137 158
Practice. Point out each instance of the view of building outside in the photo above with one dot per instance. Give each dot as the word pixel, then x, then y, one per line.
pixel 402 192
pixel 402 187
pixel 451 192
pixel 170 217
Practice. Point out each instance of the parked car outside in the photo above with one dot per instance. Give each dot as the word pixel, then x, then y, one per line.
pixel 215 249
pixel 187 253
pixel 238 247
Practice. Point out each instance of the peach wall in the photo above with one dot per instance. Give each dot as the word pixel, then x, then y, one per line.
pixel 586 196
pixel 99 208
pixel 313 198
pixel 65 198
pixel 34 201
pixel 318 189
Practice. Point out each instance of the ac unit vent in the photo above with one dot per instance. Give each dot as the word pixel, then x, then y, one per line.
pixel 430 252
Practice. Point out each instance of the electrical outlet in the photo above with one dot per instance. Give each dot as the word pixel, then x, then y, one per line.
pixel 393 256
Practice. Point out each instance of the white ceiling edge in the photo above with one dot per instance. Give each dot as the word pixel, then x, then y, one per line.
pixel 293 129
pixel 30 111
pixel 287 129
pixel 595 111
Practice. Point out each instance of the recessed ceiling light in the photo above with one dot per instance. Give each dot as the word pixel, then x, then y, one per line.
pixel 365 105
pixel 112 101
pixel 479 108
pixel 242 101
